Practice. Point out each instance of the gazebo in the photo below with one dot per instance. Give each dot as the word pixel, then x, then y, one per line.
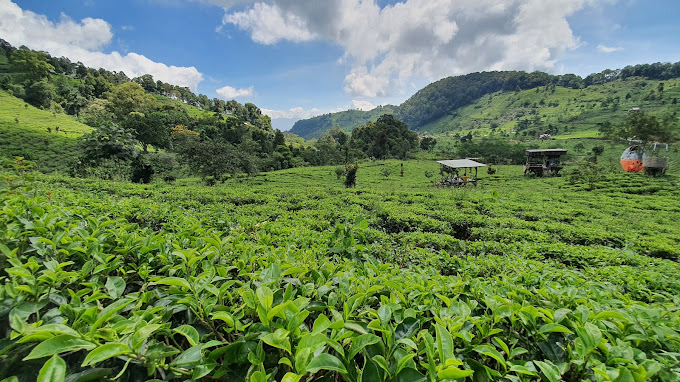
pixel 453 168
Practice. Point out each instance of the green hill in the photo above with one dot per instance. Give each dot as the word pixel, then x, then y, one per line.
pixel 560 111
pixel 49 139
pixel 535 102
pixel 347 120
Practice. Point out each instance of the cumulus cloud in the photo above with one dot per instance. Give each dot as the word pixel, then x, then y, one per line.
pixel 387 46
pixel 272 24
pixel 302 113
pixel 293 113
pixel 608 49
pixel 362 105
pixel 228 92
pixel 84 41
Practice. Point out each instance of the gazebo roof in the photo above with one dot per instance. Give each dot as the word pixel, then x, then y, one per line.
pixel 461 163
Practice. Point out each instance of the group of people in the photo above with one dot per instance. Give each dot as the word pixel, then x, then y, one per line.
pixel 456 181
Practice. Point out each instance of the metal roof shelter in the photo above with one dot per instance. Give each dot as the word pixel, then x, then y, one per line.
pixel 456 164
pixel 461 163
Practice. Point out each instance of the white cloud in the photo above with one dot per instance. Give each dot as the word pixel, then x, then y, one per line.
pixel 385 47
pixel 272 24
pixel 83 41
pixel 228 92
pixel 608 49
pixel 362 105
pixel 302 113
pixel 293 113
pixel 127 28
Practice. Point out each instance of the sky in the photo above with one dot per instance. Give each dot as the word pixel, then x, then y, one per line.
pixel 300 58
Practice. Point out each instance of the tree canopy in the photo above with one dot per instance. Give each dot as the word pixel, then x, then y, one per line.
pixel 642 128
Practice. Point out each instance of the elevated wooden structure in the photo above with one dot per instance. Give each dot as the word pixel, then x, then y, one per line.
pixel 453 167
pixel 543 161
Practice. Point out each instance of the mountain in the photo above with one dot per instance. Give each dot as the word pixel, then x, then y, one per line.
pixel 347 120
pixel 436 108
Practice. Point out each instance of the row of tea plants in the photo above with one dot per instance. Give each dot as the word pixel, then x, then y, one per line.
pixel 265 280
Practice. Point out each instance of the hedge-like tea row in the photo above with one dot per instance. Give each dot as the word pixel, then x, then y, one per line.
pixel 258 282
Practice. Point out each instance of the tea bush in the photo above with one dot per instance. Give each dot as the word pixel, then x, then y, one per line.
pixel 289 276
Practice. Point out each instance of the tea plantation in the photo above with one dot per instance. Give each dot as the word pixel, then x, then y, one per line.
pixel 289 276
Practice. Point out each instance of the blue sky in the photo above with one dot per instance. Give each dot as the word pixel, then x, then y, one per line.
pixel 298 58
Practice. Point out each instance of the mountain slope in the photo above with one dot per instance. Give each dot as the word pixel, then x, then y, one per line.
pixel 435 107
pixel 559 110
pixel 347 120
pixel 50 139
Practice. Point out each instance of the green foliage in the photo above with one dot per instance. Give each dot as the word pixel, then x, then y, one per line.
pixel 127 98
pixel 50 140
pixel 494 151
pixel 351 175
pixel 40 94
pixel 346 120
pixel 339 172
pixel 589 172
pixel 32 65
pixel 109 142
pixel 530 103
pixel 428 143
pixel 386 138
pixel 385 282
pixel 644 128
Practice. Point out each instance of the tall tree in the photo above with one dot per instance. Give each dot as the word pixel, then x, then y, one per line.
pixel 33 65
pixel 130 97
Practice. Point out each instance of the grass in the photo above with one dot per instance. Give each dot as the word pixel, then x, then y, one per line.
pixel 32 133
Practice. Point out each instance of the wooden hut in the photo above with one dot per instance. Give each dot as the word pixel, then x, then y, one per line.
pixel 451 170
pixel 543 161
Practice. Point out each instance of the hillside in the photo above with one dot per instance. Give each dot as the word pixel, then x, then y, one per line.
pixel 436 107
pixel 558 110
pixel 42 136
pixel 347 120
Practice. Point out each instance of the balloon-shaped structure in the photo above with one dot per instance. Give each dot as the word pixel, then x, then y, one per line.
pixel 631 159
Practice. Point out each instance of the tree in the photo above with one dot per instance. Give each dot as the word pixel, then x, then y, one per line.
pixel 643 128
pixel 146 81
pixel 279 139
pixel 215 158
pixel 34 65
pixel 589 173
pixel 154 128
pixel 97 113
pixel 351 175
pixel 129 97
pixel 40 94
pixel 387 137
pixel 109 142
pixel 428 143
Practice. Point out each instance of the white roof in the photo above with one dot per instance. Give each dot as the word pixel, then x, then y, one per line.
pixel 461 163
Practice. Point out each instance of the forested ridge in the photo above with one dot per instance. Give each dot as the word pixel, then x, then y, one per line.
pixel 444 97
pixel 144 128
